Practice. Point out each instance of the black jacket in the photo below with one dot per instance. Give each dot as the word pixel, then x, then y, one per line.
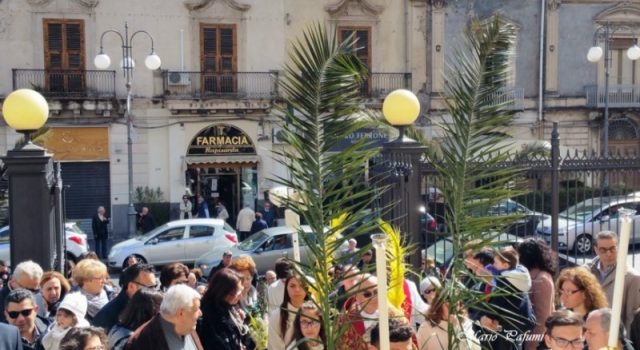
pixel 3 295
pixel 217 331
pixel 146 223
pixel 107 317
pixel 100 228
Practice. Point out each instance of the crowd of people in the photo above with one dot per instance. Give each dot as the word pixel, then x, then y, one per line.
pixel 525 306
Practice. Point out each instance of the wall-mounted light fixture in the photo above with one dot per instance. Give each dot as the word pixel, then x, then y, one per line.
pixel 438 48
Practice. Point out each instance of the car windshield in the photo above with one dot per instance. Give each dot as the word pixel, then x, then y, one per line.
pixel 152 232
pixel 253 241
pixel 584 210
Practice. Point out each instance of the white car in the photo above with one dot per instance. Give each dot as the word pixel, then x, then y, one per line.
pixel 578 224
pixel 176 241
pixel 76 242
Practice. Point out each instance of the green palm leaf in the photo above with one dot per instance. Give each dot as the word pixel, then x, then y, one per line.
pixel 321 86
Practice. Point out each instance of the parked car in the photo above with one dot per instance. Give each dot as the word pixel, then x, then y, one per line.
pixel 525 226
pixel 181 240
pixel 261 247
pixel 578 224
pixel 76 242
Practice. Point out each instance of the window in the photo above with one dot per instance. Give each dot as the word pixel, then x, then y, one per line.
pixel 201 231
pixel 171 234
pixel 64 55
pixel 218 58
pixel 4 236
pixel 361 49
pixel 623 71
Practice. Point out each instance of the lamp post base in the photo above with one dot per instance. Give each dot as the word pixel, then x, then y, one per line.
pixel 131 218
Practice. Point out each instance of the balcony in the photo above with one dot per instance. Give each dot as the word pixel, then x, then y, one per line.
pixel 203 85
pixel 380 84
pixel 512 99
pixel 620 96
pixel 67 84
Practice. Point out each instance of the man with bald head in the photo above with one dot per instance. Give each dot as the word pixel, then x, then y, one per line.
pixel 596 331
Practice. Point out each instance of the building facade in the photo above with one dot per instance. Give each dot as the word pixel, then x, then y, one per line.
pixel 205 122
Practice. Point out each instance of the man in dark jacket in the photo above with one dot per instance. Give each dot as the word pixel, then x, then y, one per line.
pixel 267 214
pixel 174 327
pixel 146 222
pixel 132 279
pixel 259 224
pixel 225 262
pixel 10 337
pixel 26 275
pixel 100 227
pixel 21 311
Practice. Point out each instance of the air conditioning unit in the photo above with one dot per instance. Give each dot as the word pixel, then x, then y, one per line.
pixel 178 78
pixel 277 135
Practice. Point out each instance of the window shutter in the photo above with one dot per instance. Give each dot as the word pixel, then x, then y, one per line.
pixel 64 55
pixel 218 58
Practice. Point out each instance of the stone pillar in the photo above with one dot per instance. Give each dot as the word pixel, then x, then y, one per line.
pixel 31 205
pixel 437 45
pixel 551 70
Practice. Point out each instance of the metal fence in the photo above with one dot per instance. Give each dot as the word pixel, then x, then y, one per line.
pixel 67 83
pixel 580 191
pixel 380 84
pixel 190 85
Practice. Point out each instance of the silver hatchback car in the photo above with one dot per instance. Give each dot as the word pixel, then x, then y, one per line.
pixel 176 241
pixel 265 247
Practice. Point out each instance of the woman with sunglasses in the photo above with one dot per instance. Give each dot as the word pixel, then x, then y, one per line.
pixel 86 338
pixel 224 325
pixel 281 321
pixel 580 291
pixel 308 332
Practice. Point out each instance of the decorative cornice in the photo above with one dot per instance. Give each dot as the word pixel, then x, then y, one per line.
pixel 439 4
pixel 197 5
pixel 553 5
pixel 38 2
pixel 365 5
pixel 622 12
pixel 88 3
pixel 415 3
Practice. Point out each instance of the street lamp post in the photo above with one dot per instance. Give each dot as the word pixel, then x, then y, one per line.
pixel 31 178
pixel 605 33
pixel 102 61
pixel 402 160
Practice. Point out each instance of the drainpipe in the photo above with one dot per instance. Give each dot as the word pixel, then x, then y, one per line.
pixel 543 7
pixel 406 38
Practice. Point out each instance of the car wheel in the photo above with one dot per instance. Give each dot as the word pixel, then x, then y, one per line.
pixel 583 244
pixel 141 260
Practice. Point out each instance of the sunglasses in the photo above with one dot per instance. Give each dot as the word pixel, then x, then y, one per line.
pixel 369 294
pixel 153 287
pixel 429 291
pixel 15 314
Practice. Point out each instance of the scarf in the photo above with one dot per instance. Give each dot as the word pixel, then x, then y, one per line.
pixel 95 302
pixel 55 333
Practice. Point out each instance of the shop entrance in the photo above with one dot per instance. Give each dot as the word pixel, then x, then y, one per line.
pixel 232 185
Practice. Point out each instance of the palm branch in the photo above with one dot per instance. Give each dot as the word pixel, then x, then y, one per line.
pixel 321 86
pixel 475 141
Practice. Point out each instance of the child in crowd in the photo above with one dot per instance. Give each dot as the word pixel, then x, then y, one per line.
pixel 71 313
pixel 505 260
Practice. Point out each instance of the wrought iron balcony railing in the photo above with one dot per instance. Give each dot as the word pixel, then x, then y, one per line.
pixel 189 85
pixel 512 99
pixel 620 96
pixel 380 84
pixel 96 84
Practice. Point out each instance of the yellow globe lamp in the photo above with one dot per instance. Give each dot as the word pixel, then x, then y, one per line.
pixel 401 108
pixel 25 110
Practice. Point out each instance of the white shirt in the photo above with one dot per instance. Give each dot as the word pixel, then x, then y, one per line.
pixel 245 219
pixel 368 319
pixel 275 295
pixel 275 340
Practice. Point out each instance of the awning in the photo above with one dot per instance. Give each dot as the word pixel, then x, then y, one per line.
pixel 231 159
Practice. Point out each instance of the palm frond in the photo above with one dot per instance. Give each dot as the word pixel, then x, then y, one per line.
pixel 396 257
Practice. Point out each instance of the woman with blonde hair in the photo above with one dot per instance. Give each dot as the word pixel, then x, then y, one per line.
pixel 580 291
pixel 91 276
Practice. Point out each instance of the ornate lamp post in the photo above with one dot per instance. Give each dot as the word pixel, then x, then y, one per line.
pixel 402 158
pixel 31 178
pixel 604 33
pixel 153 62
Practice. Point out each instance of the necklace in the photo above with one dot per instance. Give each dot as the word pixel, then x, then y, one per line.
pixel 242 328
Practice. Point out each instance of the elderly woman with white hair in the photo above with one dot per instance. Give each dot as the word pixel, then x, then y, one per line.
pixel 27 275
pixel 175 326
